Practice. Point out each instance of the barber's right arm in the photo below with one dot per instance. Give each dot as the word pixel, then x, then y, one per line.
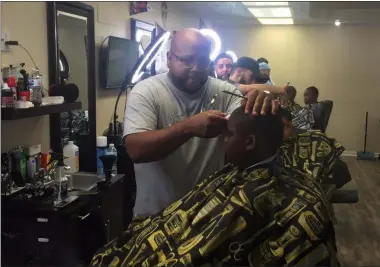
pixel 145 143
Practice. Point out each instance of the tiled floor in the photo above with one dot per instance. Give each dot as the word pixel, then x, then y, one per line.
pixel 358 225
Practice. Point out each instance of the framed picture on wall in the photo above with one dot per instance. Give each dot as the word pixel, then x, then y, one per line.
pixel 142 32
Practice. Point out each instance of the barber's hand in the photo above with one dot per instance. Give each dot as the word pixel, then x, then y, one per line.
pixel 260 102
pixel 207 124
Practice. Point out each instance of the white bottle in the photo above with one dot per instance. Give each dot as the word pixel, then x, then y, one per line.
pixel 113 151
pixel 71 151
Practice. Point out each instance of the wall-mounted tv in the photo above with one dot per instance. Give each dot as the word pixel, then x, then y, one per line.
pixel 117 60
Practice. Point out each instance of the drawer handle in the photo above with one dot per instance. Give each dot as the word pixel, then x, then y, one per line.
pixel 84 217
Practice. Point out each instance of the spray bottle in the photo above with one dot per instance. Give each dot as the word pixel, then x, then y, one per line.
pixel 61 182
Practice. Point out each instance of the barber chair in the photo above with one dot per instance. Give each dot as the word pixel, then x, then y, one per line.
pixel 322 112
pixel 340 173
pixel 339 177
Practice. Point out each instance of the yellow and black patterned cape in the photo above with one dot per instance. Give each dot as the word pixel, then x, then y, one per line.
pixel 265 216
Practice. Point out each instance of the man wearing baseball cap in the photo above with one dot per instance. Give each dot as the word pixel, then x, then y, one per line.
pixel 265 70
pixel 245 71
pixel 246 76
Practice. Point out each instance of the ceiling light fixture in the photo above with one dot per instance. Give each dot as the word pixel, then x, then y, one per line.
pixel 271 12
pixel 337 23
pixel 232 54
pixel 265 3
pixel 286 21
pixel 216 42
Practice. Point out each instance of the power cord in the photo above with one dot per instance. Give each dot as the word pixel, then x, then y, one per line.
pixel 16 43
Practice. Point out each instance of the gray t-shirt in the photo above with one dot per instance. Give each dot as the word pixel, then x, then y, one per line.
pixel 156 103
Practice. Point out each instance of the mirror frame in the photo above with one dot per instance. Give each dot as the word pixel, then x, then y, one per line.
pixel 87 11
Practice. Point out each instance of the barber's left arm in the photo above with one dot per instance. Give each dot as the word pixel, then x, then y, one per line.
pixel 260 102
pixel 246 88
pixel 256 102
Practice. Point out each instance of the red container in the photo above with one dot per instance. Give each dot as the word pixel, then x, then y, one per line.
pixel 12 81
pixel 24 95
pixel 44 160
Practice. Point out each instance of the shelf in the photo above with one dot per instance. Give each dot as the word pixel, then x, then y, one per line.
pixel 23 113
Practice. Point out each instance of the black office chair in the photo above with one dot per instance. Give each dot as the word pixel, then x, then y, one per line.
pixel 322 112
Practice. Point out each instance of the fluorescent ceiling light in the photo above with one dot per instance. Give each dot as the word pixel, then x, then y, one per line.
pixel 265 3
pixel 287 21
pixel 271 12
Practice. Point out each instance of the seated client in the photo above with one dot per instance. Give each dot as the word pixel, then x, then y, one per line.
pixel 250 213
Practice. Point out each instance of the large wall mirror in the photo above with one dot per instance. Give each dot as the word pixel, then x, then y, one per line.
pixel 72 61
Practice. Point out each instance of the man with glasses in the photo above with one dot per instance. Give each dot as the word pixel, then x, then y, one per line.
pixel 223 66
pixel 174 121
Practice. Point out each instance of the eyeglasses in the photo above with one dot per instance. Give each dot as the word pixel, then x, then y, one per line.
pixel 189 63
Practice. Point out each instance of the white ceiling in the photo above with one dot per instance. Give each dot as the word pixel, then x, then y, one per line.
pixel 309 13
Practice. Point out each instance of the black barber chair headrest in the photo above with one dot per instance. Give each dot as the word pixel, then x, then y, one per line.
pixel 322 112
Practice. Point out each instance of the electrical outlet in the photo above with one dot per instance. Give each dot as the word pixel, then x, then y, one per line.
pixel 4 38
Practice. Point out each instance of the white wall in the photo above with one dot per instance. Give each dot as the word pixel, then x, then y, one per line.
pixel 34 130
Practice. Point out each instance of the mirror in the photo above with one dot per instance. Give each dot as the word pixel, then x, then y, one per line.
pixel 145 41
pixel 71 39
pixel 64 68
pixel 72 32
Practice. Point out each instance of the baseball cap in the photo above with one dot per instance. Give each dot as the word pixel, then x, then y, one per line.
pixel 264 66
pixel 252 65
pixel 248 63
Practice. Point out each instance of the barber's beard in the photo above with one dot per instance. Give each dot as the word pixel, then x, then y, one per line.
pixel 181 83
pixel 223 77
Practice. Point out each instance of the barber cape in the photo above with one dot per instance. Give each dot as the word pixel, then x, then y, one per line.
pixel 264 215
pixel 304 118
pixel 292 107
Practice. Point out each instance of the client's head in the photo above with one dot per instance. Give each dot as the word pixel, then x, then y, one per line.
pixel 252 139
pixel 310 96
pixel 289 95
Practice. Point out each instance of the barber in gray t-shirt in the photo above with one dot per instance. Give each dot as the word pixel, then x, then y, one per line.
pixel 173 123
